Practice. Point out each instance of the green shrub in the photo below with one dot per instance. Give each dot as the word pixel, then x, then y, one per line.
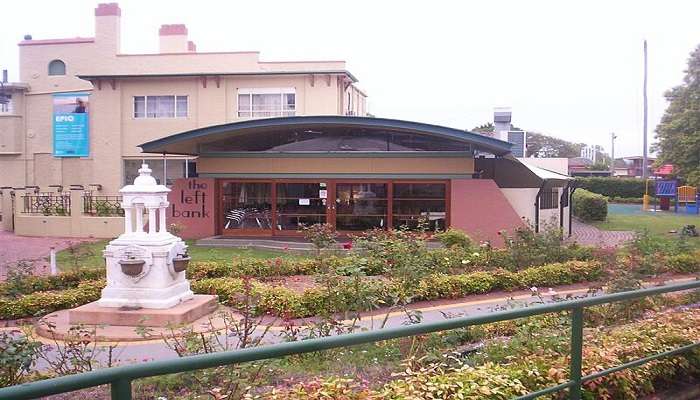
pixel 614 187
pixel 40 303
pixel 65 280
pixel 345 295
pixel 454 238
pixel 684 263
pixel 589 206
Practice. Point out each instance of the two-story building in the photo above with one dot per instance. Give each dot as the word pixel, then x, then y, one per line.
pixel 128 99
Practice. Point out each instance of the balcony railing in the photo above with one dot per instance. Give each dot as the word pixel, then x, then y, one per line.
pixel 120 378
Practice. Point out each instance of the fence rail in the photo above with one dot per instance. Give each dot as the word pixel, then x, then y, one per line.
pixel 102 206
pixel 120 378
pixel 46 204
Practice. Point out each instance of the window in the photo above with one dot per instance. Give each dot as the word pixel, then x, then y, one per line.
pixel 160 106
pixel 419 205
pixel 175 169
pixel 549 198
pixel 57 67
pixel 565 199
pixel 270 102
pixel 6 104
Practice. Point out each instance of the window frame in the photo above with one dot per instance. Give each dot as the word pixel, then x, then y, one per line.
pixel 55 61
pixel 154 98
pixel 269 113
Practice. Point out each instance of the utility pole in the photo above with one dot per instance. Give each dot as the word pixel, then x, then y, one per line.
pixel 612 153
pixel 644 154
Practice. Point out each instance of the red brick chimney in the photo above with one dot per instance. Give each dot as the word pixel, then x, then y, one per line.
pixel 173 39
pixel 108 27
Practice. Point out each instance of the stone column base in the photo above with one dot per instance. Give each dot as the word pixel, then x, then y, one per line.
pixel 152 298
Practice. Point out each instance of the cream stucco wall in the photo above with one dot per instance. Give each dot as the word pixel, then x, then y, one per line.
pixel 523 202
pixel 114 133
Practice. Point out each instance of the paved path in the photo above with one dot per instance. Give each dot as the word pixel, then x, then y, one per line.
pixel 591 236
pixel 35 250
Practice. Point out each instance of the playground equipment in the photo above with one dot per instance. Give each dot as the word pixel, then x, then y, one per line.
pixel 688 195
pixel 666 190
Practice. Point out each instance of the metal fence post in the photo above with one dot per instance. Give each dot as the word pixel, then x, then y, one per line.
pixel 121 389
pixel 576 352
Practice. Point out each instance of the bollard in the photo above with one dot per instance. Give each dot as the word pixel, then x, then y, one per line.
pixel 52 256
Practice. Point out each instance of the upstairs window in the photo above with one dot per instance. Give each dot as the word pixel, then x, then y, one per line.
pixel 266 102
pixel 57 67
pixel 6 104
pixel 160 106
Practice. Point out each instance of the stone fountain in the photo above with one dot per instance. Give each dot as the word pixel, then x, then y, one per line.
pixel 146 283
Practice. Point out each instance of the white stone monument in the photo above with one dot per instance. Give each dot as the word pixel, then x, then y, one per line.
pixel 146 282
pixel 145 268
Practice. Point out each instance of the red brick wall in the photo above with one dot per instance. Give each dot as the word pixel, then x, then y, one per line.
pixel 479 208
pixel 192 206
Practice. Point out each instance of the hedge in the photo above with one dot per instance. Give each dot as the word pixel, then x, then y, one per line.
pixel 280 301
pixel 65 280
pixel 615 187
pixel 41 303
pixel 589 206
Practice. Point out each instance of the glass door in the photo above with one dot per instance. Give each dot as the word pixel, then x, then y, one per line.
pixel 246 208
pixel 301 204
pixel 361 206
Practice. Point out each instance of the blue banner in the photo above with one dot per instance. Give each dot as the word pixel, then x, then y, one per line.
pixel 71 125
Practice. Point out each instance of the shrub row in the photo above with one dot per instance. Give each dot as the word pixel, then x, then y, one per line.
pixel 40 303
pixel 527 372
pixel 65 280
pixel 347 296
pixel 590 206
pixel 615 187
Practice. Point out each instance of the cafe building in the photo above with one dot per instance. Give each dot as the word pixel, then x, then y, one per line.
pixel 269 177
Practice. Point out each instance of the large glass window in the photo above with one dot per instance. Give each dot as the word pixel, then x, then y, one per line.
pixel 300 204
pixel 262 103
pixel 419 203
pixel 335 139
pixel 6 106
pixel 247 205
pixel 160 106
pixel 361 206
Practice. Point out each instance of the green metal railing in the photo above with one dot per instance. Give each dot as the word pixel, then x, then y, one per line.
pixel 120 378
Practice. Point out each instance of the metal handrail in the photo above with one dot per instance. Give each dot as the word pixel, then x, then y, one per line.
pixel 120 378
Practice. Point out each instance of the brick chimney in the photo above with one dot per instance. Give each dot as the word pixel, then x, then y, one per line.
pixel 173 39
pixel 108 27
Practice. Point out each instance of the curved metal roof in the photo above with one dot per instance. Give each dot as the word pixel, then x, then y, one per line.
pixel 188 142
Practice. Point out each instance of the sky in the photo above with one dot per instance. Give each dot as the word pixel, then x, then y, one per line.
pixel 570 69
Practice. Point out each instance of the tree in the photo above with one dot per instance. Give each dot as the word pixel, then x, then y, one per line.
pixel 678 134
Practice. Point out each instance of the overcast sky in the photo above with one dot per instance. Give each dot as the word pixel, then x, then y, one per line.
pixel 567 69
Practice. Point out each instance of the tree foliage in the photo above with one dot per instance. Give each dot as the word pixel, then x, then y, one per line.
pixel 678 133
pixel 541 145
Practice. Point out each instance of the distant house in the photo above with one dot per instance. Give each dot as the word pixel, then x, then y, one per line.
pixel 580 166
pixel 632 166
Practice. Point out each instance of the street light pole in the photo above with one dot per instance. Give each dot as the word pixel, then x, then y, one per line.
pixel 612 153
pixel 644 154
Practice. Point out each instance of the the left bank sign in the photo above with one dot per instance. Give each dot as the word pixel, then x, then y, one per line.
pixel 71 125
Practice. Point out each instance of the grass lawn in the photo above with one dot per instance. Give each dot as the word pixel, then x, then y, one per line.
pixel 657 224
pixel 89 255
